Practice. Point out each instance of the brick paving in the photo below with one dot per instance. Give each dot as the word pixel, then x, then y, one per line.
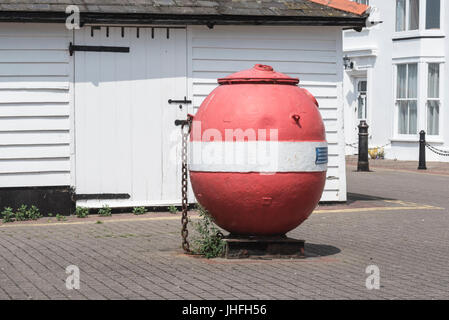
pixel 141 258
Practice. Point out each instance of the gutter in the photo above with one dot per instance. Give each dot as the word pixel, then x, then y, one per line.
pixel 208 20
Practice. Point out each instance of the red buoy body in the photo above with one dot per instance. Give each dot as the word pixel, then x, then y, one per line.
pixel 258 155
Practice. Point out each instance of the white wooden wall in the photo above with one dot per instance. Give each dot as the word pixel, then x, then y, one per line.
pixel 314 54
pixel 36 94
pixel 35 108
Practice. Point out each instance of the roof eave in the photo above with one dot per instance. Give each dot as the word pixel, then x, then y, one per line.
pixel 209 20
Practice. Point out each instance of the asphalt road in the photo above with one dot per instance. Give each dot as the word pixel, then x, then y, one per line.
pixel 426 188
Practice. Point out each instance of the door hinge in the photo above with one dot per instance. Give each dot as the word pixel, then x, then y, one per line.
pixel 73 48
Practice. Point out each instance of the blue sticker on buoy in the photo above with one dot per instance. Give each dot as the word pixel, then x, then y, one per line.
pixel 321 155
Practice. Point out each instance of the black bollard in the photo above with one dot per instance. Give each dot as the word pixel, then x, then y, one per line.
pixel 363 163
pixel 422 151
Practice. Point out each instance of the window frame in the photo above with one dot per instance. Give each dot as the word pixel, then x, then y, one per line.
pixel 422 99
pixel 441 16
pixel 421 31
pixel 440 99
pixel 365 94
pixel 397 134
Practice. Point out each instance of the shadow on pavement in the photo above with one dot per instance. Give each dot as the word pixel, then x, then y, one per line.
pixel 353 197
pixel 320 250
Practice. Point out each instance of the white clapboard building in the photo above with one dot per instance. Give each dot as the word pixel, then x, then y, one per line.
pixel 85 117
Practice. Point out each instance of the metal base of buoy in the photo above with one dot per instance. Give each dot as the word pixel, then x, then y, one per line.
pixel 279 247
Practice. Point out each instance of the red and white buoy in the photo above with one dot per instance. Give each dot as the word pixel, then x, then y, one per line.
pixel 258 155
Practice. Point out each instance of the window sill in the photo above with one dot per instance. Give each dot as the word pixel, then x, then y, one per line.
pixel 416 34
pixel 415 139
pixel 411 138
pixel 435 140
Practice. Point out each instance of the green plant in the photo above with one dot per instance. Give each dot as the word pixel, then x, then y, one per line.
pixel 208 242
pixel 172 209
pixel 381 154
pixel 50 214
pixel 99 222
pixel 33 213
pixel 105 211
pixel 7 215
pixel 60 217
pixel 21 213
pixel 139 210
pixel 82 212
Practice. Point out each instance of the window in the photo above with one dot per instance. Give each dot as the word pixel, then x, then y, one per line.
pixel 362 2
pixel 407 98
pixel 433 14
pixel 408 14
pixel 400 15
pixel 361 101
pixel 413 19
pixel 433 99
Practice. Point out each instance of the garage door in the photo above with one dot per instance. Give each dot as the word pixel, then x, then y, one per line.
pixel 126 145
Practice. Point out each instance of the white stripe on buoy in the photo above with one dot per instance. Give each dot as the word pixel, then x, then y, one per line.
pixel 258 156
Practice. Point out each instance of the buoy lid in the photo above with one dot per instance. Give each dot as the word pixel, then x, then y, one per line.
pixel 259 74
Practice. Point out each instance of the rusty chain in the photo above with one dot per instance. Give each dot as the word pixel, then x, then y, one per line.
pixel 184 190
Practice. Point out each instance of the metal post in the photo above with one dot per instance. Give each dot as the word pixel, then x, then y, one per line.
pixel 422 151
pixel 363 163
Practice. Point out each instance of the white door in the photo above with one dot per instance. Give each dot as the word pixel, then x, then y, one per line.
pixel 127 152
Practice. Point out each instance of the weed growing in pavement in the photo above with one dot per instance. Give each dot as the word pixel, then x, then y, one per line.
pixel 60 217
pixel 33 213
pixel 8 215
pixel 139 210
pixel 106 211
pixel 82 212
pixel 21 213
pixel 209 242
pixel 173 209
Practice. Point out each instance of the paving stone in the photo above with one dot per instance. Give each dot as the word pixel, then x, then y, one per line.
pixel 410 247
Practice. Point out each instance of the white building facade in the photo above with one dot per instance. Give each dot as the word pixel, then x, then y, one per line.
pixel 85 114
pixel 395 78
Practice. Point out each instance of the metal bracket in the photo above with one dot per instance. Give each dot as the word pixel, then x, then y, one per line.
pixel 180 101
pixel 181 122
pixel 73 48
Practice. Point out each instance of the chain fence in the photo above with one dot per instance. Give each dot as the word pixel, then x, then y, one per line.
pixel 437 151
pixel 440 152
pixel 356 145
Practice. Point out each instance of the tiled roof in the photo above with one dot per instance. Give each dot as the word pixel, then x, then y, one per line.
pixel 345 5
pixel 274 8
